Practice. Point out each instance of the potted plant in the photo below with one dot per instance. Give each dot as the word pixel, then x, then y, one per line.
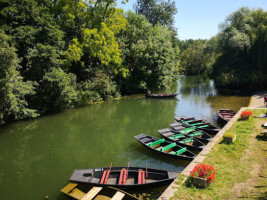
pixel 245 115
pixel 203 175
pixel 229 137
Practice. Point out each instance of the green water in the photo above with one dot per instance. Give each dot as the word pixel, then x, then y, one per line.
pixel 38 156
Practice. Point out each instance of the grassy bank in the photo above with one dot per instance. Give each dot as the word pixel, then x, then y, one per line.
pixel 241 167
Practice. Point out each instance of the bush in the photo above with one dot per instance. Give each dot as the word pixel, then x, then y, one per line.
pixel 229 135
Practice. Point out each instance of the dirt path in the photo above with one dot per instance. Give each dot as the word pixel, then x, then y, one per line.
pixel 257 179
pixel 257 101
pixel 258 175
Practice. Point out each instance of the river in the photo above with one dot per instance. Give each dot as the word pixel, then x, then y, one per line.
pixel 38 156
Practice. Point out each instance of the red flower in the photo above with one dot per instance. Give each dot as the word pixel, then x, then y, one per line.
pixel 245 114
pixel 204 171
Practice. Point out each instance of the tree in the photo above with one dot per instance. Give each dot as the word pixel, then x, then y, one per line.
pixel 157 11
pixel 242 47
pixel 194 60
pixel 148 55
pixel 57 91
pixel 13 90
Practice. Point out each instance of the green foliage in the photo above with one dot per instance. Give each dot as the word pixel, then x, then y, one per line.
pixel 68 53
pixel 157 11
pixel 195 59
pixel 102 45
pixel 86 93
pixel 242 47
pixel 105 87
pixel 58 91
pixel 148 55
pixel 13 90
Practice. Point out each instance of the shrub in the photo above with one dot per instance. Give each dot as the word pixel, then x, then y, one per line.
pixel 229 135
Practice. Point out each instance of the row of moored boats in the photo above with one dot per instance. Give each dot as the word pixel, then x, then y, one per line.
pixel 183 140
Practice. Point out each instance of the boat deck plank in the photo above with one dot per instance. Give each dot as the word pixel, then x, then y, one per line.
pixel 118 196
pixel 92 193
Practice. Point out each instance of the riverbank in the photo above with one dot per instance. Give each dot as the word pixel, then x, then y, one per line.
pixel 214 154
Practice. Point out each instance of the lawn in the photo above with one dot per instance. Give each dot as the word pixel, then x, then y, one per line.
pixel 241 167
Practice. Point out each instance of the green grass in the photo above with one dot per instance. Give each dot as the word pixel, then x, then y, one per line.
pixel 232 163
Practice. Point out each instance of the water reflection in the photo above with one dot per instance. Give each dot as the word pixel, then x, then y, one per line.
pixel 199 98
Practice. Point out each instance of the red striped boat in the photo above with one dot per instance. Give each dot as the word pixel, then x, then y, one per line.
pixel 123 177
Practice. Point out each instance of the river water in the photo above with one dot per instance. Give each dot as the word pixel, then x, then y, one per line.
pixel 38 156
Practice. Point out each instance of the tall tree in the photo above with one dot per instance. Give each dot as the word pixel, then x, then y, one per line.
pixel 157 11
pixel 242 43
pixel 148 55
pixel 13 90
pixel 194 60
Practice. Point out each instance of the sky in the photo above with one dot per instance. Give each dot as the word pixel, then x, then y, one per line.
pixel 199 19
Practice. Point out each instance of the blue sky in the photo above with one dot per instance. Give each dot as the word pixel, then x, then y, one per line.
pixel 199 19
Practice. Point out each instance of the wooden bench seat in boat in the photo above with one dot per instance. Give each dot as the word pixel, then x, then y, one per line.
pixel 188 130
pixel 141 177
pixel 123 177
pixel 177 136
pixel 92 193
pixel 199 133
pixel 180 151
pixel 104 178
pixel 204 126
pixel 168 147
pixel 118 196
pixel 187 141
pixel 72 191
pixel 156 143
pixel 159 148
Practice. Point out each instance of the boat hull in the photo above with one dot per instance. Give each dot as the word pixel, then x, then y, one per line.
pixel 225 115
pixel 188 155
pixel 92 177
pixel 170 95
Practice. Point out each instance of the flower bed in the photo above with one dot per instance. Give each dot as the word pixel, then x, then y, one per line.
pixel 203 171
pixel 245 115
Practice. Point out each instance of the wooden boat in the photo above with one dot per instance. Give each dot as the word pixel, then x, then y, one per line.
pixel 199 134
pixel 95 193
pixel 184 140
pixel 225 115
pixel 165 147
pixel 200 124
pixel 167 95
pixel 123 177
